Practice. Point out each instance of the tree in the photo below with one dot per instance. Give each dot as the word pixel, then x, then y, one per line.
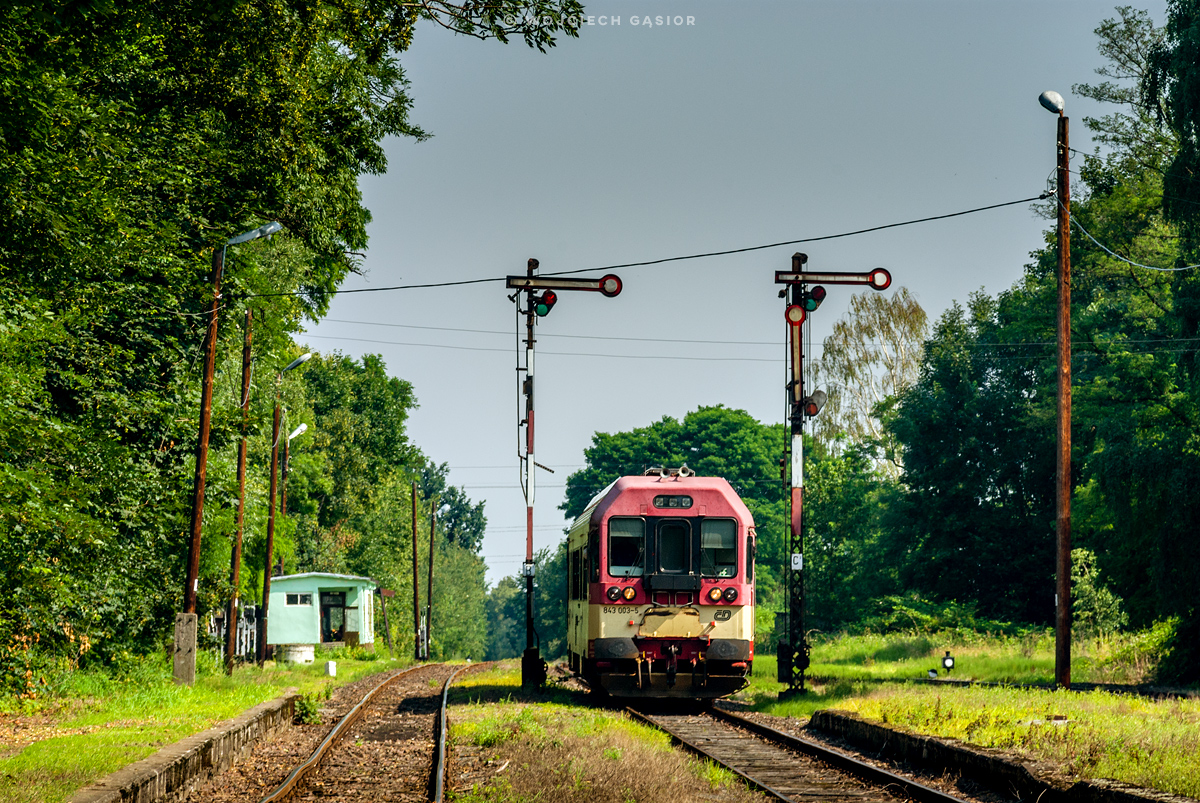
pixel 462 521
pixel 872 355
pixel 974 519
pixel 1170 89
pixel 136 138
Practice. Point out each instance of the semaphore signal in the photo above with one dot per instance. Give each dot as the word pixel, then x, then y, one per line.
pixel 541 294
pixel 804 295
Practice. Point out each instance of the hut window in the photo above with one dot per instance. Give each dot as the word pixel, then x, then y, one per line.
pixel 299 599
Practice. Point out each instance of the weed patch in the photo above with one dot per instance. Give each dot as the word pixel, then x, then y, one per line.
pixel 1133 740
pixel 98 722
pixel 572 754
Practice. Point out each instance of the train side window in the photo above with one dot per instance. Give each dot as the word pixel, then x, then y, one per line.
pixel 574 571
pixel 674 547
pixel 593 555
pixel 626 547
pixel 718 548
pixel 751 554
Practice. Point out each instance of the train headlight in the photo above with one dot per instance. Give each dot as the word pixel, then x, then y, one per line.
pixel 730 594
pixel 613 593
pixel 714 594
pixel 629 593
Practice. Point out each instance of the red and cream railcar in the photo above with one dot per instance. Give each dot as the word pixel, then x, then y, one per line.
pixel 661 592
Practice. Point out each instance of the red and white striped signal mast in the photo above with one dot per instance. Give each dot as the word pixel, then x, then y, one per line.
pixel 803 299
pixel 541 294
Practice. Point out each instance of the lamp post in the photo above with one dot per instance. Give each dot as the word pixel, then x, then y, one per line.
pixel 267 563
pixel 185 622
pixel 1052 101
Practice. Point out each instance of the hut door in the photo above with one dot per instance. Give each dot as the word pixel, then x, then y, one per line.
pixel 333 616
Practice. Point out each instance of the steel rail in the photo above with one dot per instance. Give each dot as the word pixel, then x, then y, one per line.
pixel 439 759
pixel 700 751
pixel 841 761
pixel 288 786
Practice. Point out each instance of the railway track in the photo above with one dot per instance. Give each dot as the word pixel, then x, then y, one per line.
pixel 391 745
pixel 784 766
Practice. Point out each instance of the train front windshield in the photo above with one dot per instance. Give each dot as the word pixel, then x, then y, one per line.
pixel 674 548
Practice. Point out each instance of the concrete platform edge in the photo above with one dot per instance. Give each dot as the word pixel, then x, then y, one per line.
pixel 998 771
pixel 176 770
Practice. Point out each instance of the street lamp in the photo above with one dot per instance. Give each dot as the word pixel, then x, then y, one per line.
pixel 267 564
pixel 1053 102
pixel 185 623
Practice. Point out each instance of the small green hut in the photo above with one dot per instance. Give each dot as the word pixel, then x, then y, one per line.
pixel 320 608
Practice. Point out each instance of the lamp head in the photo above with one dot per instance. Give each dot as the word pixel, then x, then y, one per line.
pixel 1051 101
pixel 300 430
pixel 296 363
pixel 262 231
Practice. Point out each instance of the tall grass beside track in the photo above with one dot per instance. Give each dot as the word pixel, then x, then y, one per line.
pixel 1149 743
pixel 549 747
pixel 1085 735
pixel 97 723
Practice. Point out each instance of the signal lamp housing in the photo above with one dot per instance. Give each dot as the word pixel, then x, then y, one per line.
pixel 813 404
pixel 730 594
pixel 629 593
pixel 811 299
pixel 542 304
pixel 613 593
pixel 714 594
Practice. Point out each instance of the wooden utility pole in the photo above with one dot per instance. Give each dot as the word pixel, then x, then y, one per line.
pixel 235 560
pixel 192 581
pixel 1062 613
pixel 429 585
pixel 416 582
pixel 270 559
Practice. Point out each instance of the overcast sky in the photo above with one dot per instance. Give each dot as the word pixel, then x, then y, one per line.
pixel 747 123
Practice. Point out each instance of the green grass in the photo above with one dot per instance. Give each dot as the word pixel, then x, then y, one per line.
pixel 550 747
pixel 1024 659
pixel 102 722
pixel 1134 740
pixel 1147 743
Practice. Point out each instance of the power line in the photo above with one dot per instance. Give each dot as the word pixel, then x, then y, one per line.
pixel 546 353
pixel 575 337
pixel 747 249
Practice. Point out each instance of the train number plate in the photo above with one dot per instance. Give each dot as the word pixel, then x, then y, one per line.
pixel 620 609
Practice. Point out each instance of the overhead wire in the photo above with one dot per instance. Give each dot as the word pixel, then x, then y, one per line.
pixel 1115 255
pixel 663 260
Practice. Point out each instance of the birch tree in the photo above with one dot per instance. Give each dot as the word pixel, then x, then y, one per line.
pixel 872 355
